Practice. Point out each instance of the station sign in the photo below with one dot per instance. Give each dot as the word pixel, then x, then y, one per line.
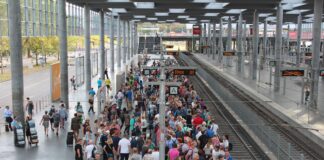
pixel 272 63
pixel 173 90
pixel 228 53
pixel 148 72
pixel 308 54
pixel 205 46
pixel 292 73
pixel 189 72
pixel 168 46
pixel 322 73
pixel 196 30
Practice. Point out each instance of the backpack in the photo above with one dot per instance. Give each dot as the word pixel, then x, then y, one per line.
pixel 93 153
pixel 51 111
pixel 133 142
pixel 230 146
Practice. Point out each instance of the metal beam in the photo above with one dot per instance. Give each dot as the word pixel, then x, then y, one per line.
pixel 112 48
pixel 299 30
pixel 87 48
pixel 118 44
pixel 239 44
pixel 255 44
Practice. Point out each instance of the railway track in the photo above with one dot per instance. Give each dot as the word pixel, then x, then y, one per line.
pixel 299 144
pixel 244 148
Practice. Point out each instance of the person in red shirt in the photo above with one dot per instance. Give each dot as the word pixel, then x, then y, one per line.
pixel 197 120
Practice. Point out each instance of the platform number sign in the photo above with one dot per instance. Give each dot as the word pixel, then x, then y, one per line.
pixel 173 90
pixel 146 72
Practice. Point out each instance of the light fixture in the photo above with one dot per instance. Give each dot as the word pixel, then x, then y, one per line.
pixel 211 14
pixel 205 20
pixel 139 16
pixel 161 21
pixel 161 14
pixel 203 1
pixel 235 11
pixel 191 19
pixel 152 18
pixel 144 5
pixel 192 22
pixel 136 20
pixel 264 14
pixel 215 5
pixel 170 20
pixel 177 10
pixel 183 17
pixel 296 11
pixel 118 0
pixel 118 10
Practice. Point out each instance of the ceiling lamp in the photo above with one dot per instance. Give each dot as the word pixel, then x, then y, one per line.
pixel 177 10
pixel 215 5
pixel 144 5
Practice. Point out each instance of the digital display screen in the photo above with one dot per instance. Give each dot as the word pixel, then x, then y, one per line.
pixel 286 73
pixel 228 53
pixel 190 72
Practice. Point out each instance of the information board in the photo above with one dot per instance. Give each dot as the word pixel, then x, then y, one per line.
pixel 322 73
pixel 294 73
pixel 196 30
pixel 190 72
pixel 228 53
pixel 173 90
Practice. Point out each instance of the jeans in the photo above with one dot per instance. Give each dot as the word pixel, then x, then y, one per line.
pixel 124 156
pixel 91 109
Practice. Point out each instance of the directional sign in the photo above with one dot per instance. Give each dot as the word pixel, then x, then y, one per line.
pixel 322 73
pixel 294 73
pixel 189 72
pixel 173 90
pixel 272 63
pixel 146 72
pixel 196 30
pixel 228 53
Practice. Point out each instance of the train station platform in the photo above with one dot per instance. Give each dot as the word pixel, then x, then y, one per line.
pixel 287 106
pixel 54 147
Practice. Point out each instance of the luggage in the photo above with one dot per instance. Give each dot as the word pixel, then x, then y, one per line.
pixel 19 139
pixel 33 136
pixel 7 127
pixel 69 139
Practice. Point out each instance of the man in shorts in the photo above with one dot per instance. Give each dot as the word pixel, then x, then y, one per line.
pixel 57 119
pixel 29 107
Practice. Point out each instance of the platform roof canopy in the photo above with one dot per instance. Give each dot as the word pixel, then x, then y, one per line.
pixel 200 11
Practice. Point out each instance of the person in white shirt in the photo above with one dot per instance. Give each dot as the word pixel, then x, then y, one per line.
pixel 124 148
pixel 217 152
pixel 88 150
pixel 156 153
pixel 214 127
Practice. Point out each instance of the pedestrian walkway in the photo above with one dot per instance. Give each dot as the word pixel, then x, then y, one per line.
pixel 289 103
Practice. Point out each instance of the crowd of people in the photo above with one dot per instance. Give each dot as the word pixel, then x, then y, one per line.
pixel 128 128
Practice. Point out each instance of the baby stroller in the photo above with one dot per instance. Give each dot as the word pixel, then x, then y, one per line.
pixel 33 132
pixel 19 136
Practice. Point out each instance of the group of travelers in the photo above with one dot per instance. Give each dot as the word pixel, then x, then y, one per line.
pixel 132 132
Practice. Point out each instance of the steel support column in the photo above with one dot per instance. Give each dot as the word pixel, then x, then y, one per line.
pixel 112 48
pixel 102 45
pixel 124 43
pixel 264 53
pixel 318 10
pixel 128 40
pixel 87 48
pixel 214 41
pixel 278 47
pixel 63 52
pixel 209 40
pixel 239 44
pixel 220 41
pixel 17 77
pixel 254 65
pixel 118 44
pixel 229 35
pixel 299 30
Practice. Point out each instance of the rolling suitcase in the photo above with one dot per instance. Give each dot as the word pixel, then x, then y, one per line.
pixel 7 127
pixel 69 139
pixel 19 137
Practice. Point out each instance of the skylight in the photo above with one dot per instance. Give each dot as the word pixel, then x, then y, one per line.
pixel 211 14
pixel 170 20
pixel 215 5
pixel 204 20
pixel 296 11
pixel 191 19
pixel 144 5
pixel 177 10
pixel 161 14
pixel 264 14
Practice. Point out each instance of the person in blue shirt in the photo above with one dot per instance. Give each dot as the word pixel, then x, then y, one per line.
pixel 8 116
pixel 99 82
pixel 92 93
